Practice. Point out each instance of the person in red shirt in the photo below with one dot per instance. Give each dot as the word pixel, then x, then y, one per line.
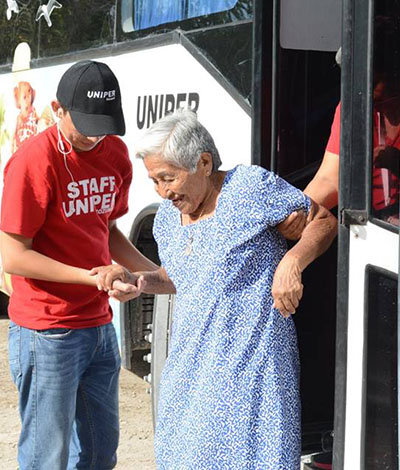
pixel 324 187
pixel 63 191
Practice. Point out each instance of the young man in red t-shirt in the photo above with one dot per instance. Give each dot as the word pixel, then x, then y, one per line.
pixel 63 191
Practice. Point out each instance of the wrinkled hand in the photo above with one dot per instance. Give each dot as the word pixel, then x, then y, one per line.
pixel 118 282
pixel 106 275
pixel 287 288
pixel 292 227
pixel 123 292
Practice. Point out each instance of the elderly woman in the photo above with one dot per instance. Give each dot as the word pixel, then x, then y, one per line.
pixel 229 394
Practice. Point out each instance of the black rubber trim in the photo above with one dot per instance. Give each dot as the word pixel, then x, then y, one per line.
pixel 355 150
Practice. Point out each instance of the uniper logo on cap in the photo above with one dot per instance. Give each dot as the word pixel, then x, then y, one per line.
pixel 107 95
pixel 89 90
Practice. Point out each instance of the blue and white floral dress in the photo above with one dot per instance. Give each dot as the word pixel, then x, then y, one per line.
pixel 229 396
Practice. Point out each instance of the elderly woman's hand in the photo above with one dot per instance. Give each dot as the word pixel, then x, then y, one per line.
pixel 293 226
pixel 287 288
pixel 106 275
pixel 123 292
pixel 118 282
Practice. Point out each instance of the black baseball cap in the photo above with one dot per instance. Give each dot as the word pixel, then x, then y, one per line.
pixel 90 91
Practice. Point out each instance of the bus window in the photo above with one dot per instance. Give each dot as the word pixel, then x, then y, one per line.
pixel 386 119
pixel 381 406
pixel 233 56
pixel 308 85
pixel 76 26
pixel 231 30
pixel 150 13
pixel 309 91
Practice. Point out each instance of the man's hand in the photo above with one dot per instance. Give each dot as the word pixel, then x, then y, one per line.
pixel 293 226
pixel 287 288
pixel 118 282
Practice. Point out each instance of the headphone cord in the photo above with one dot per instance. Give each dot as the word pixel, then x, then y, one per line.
pixel 61 149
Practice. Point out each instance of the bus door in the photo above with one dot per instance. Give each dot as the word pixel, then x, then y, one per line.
pixel 296 91
pixel 367 365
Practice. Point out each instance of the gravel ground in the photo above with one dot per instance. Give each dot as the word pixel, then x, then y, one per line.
pixel 136 443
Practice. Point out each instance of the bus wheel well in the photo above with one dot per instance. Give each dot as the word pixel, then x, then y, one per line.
pixel 137 314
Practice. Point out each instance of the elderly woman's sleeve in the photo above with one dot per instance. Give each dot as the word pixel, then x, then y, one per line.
pixel 277 199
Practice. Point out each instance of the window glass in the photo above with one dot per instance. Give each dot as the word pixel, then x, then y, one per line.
pixel 308 92
pixel 308 85
pixel 381 405
pixel 386 114
pixel 150 13
pixel 232 57
pixel 75 26
pixel 82 25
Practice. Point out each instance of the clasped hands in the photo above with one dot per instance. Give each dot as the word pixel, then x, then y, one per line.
pixel 122 285
pixel 118 282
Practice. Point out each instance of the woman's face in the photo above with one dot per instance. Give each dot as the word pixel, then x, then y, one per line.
pixel 186 190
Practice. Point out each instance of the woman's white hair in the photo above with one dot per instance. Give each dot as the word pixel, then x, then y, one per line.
pixel 180 139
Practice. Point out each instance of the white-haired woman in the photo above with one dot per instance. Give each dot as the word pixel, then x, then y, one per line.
pixel 229 394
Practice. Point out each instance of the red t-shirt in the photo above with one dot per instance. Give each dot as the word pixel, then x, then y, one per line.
pixel 65 208
pixel 378 199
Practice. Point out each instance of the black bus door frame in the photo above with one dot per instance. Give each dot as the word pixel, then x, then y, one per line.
pixel 354 189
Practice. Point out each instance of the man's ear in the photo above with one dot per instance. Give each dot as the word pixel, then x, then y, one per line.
pixel 57 109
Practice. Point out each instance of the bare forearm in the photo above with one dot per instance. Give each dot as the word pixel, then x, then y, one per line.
pixel 323 192
pixel 157 282
pixel 33 265
pixel 315 240
pixel 323 188
pixel 126 254
pixel 287 288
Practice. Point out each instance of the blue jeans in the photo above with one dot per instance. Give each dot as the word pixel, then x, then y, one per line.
pixel 68 397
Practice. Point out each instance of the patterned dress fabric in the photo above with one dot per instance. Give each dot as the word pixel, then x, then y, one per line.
pixel 229 393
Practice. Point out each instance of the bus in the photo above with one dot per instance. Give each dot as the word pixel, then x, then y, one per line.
pixel 263 78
